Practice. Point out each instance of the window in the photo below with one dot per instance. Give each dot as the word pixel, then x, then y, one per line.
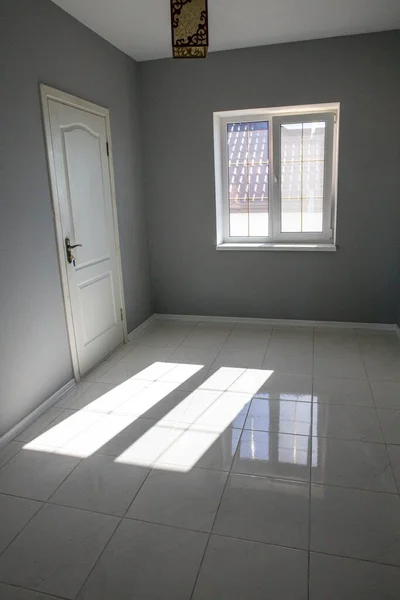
pixel 276 172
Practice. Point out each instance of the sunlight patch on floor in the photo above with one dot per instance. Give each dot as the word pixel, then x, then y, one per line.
pixel 178 439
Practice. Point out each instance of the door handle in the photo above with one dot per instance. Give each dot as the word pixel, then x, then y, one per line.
pixel 68 249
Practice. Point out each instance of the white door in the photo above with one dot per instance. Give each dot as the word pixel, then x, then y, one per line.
pixel 87 218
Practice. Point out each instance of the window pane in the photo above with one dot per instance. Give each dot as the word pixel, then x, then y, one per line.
pixel 313 179
pixel 238 182
pixel 291 215
pixel 258 181
pixel 312 214
pixel 248 165
pixel 314 141
pixel 291 180
pixel 293 449
pixel 239 218
pixel 258 142
pixel 302 176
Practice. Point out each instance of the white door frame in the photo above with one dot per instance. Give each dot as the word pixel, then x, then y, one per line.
pixel 48 93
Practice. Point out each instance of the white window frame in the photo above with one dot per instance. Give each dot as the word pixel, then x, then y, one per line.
pixel 325 240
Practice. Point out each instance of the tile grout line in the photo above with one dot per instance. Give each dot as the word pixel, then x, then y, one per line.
pixel 275 545
pixel 379 420
pixel 214 520
pixel 25 589
pixel 310 468
pixel 98 558
pixel 218 507
pixel 44 503
pixel 24 527
pixel 229 472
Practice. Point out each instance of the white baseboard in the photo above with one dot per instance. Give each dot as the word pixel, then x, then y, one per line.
pixel 292 322
pixel 35 414
pixel 141 328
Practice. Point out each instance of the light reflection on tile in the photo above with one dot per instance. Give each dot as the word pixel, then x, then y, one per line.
pixel 282 416
pixel 272 454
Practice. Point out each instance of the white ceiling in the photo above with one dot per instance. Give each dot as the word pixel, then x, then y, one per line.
pixel 141 28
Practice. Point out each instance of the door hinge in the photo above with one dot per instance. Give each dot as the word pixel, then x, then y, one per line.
pixel 108 149
pixel 122 315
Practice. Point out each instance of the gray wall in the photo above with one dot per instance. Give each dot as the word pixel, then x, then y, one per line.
pixel 40 42
pixel 177 101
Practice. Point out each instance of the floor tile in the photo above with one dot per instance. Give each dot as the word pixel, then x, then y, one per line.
pixel 121 372
pixel 152 399
pixel 9 592
pixel 39 425
pixel 94 437
pixel 291 341
pixel 203 357
pixel 352 464
pixel 347 422
pixel 244 358
pixel 201 448
pixel 342 391
pixel 251 381
pixel 228 410
pixel 236 570
pixel 143 442
pixel 264 510
pixel 68 425
pixel 243 336
pixel 386 394
pixel 185 379
pixel 219 454
pixel 127 436
pixel 334 578
pixel 35 475
pixel 221 379
pixel 336 342
pixel 101 485
pixel 342 367
pixel 355 524
pixel 286 387
pixel 167 334
pixel 281 416
pixel 383 368
pixel 97 373
pixel 208 336
pixel 73 394
pixel 146 561
pixel 188 500
pixel 394 453
pixel 144 353
pixel 57 550
pixel 300 363
pixel 273 455
pixel 390 422
pixel 190 407
pixel 15 514
pixel 87 399
pixel 156 403
pixel 7 452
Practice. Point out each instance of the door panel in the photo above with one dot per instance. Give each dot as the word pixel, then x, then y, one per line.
pixel 83 183
pixel 88 204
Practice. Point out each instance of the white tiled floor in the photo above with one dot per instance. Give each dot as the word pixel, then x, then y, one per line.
pixel 212 461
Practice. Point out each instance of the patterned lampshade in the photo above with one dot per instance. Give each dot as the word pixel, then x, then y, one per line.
pixel 189 19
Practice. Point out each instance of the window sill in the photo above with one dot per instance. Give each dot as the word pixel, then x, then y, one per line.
pixel 278 247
